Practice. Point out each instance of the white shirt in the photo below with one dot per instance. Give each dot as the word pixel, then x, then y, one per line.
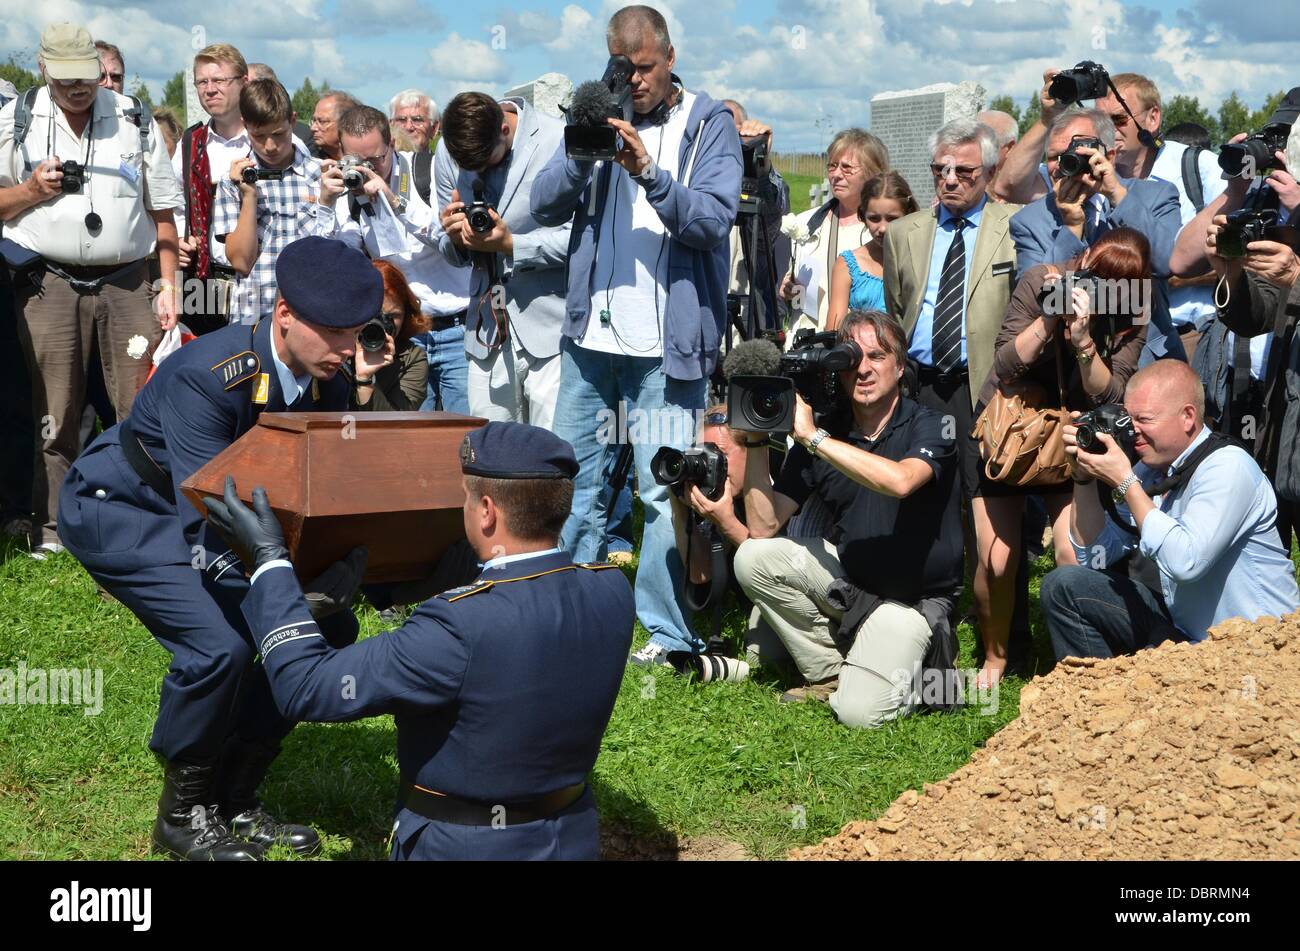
pixel 291 386
pixel 1189 304
pixel 442 287
pixel 630 278
pixel 222 153
pixel 810 267
pixel 122 184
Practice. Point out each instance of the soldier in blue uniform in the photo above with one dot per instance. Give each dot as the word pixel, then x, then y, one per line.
pixel 501 690
pixel 121 513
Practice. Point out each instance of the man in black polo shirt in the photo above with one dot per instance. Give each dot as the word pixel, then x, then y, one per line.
pixel 884 472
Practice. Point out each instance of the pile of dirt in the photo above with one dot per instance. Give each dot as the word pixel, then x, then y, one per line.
pixel 618 844
pixel 1188 751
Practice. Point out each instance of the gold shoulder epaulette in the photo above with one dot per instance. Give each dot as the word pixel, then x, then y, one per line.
pixel 238 369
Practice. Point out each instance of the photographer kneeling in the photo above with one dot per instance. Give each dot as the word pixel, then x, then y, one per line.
pixel 1209 524
pixel 885 471
pixel 391 370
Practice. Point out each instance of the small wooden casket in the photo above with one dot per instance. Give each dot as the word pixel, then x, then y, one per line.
pixel 389 481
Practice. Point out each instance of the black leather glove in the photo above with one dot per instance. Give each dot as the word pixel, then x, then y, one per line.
pixel 255 533
pixel 337 585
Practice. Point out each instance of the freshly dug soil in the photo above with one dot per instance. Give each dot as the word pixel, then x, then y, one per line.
pixel 1187 751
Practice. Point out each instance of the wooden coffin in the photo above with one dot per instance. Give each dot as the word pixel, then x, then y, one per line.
pixel 389 481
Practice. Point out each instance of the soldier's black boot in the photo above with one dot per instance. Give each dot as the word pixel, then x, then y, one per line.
pixel 244 765
pixel 189 826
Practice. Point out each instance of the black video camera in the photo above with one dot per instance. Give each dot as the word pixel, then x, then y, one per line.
pixel 374 335
pixel 810 368
pixel 1054 298
pixel 479 211
pixel 703 466
pixel 588 137
pixel 252 175
pixel 1088 80
pixel 1071 163
pixel 74 177
pixel 1254 154
pixel 754 151
pixel 1113 420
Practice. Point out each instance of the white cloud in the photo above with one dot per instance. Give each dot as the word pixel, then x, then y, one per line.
pixel 471 61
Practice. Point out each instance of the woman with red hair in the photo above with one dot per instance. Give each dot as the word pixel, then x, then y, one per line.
pixel 393 377
pixel 1098 336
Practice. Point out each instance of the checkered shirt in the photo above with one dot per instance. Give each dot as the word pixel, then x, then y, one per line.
pixel 279 205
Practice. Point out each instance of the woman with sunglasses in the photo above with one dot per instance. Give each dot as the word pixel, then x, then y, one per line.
pixel 1100 337
pixel 394 378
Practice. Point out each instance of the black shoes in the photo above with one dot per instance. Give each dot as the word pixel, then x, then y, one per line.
pixel 244 765
pixel 189 826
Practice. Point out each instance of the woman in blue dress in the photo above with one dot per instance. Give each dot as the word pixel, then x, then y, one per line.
pixel 857 283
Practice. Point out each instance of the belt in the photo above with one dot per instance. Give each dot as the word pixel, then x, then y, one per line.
pixel 223 272
pixel 465 812
pixel 926 374
pixel 149 471
pixel 447 321
pixel 89 279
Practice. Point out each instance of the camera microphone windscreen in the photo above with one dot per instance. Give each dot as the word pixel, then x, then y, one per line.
pixel 752 358
pixel 592 104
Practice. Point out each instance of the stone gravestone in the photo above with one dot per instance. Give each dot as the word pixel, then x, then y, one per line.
pixel 905 120
pixel 193 105
pixel 547 93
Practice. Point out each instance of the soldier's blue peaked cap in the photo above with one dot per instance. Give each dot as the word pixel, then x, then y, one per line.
pixel 328 283
pixel 516 451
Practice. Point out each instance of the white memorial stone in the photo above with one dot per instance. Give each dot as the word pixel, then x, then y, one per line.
pixel 905 120
pixel 547 93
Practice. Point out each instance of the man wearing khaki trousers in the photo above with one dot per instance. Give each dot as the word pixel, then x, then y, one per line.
pixel 77 243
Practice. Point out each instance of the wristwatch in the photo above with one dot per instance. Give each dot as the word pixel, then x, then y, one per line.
pixel 400 205
pixel 1121 490
pixel 817 439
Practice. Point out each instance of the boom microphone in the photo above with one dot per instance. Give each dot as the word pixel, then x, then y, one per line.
pixel 752 358
pixel 592 104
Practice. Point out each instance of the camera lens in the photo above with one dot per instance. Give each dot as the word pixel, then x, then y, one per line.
pixel 1086 437
pixel 372 337
pixel 764 406
pixel 668 465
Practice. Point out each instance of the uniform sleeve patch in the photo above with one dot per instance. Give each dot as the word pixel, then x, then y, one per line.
pixel 464 591
pixel 237 369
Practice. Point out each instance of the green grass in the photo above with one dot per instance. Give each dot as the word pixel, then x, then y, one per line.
pixel 799 185
pixel 680 759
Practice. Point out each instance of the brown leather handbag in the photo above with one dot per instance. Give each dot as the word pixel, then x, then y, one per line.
pixel 1019 432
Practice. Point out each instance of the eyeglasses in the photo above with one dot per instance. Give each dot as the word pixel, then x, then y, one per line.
pixel 374 163
pixel 964 173
pixel 844 167
pixel 116 77
pixel 70 83
pixel 715 419
pixel 219 82
pixel 411 120
pixel 1120 119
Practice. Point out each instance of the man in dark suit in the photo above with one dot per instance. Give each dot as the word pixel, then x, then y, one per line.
pixel 122 515
pixel 1081 208
pixel 501 689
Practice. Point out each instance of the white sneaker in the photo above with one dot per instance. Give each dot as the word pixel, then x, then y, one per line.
pixel 652 655
pixel 45 549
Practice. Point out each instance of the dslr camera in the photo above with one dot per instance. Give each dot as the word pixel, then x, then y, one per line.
pixel 1111 419
pixel 478 212
pixel 1071 163
pixel 1243 227
pixel 587 137
pixel 703 466
pixel 1054 298
pixel 765 404
pixel 374 335
pixel 1255 152
pixel 353 177
pixel 74 177
pixel 1088 80
pixel 253 175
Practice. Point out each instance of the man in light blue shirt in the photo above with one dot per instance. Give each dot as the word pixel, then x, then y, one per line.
pixel 1213 537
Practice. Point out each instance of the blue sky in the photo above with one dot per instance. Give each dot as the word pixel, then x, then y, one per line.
pixel 806 66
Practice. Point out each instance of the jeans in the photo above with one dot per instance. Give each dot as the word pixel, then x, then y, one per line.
pixel 661 412
pixel 448 370
pixel 619 528
pixel 1093 613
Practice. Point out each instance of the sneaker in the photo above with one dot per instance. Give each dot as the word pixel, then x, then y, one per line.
pixel 619 558
pixel 652 655
pixel 45 549
pixel 817 692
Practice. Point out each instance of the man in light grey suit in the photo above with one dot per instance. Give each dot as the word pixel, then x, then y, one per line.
pixel 1081 208
pixel 516 310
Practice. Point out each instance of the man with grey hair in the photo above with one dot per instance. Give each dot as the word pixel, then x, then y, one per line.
pixel 1083 206
pixel 415 115
pixel 1007 130
pixel 325 124
pixel 949 272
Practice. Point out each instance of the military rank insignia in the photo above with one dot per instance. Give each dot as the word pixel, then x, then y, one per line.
pixel 237 369
pixel 467 454
pixel 262 389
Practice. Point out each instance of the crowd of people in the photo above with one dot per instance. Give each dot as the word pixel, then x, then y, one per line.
pixel 516 283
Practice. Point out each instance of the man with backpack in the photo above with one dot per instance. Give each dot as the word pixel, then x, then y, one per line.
pixel 383 206
pixel 86 195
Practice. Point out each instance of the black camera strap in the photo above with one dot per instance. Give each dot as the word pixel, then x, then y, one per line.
pixel 1145 137
pixel 1171 483
pixel 719 577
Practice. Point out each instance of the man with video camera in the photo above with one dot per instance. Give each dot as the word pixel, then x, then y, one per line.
pixel 886 473
pixel 484 168
pixel 1088 198
pixel 1150 477
pixel 647 287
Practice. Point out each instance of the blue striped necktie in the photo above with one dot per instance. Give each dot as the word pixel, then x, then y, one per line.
pixel 945 338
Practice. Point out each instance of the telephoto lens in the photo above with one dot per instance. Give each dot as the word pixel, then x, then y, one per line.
pixel 709 667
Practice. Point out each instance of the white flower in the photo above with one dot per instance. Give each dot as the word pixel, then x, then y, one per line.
pixel 795 229
pixel 137 346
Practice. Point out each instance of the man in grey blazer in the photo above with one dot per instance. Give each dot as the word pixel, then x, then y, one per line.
pixel 516 309
pixel 1081 208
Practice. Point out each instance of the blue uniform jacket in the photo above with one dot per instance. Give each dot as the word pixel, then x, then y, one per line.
pixel 500 690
